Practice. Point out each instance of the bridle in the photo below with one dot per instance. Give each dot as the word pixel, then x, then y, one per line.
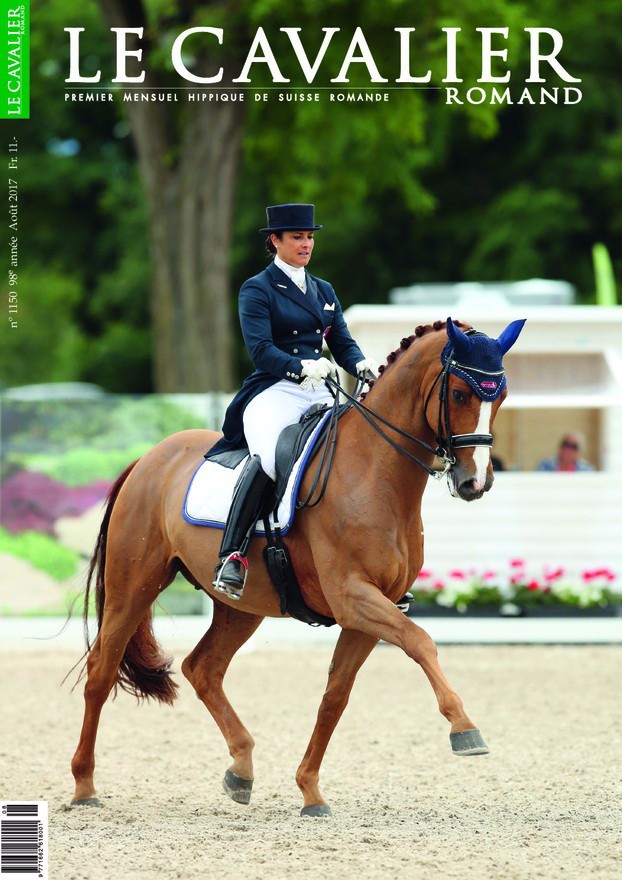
pixel 446 441
pixel 372 417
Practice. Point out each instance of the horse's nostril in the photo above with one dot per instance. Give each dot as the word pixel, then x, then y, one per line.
pixel 468 487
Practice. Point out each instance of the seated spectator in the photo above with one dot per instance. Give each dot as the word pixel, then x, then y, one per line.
pixel 568 457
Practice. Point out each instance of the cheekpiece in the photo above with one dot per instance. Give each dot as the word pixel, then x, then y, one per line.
pixel 283 218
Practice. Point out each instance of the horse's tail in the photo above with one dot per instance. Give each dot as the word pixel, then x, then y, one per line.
pixel 144 670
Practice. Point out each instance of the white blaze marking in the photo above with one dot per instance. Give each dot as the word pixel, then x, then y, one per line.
pixel 481 454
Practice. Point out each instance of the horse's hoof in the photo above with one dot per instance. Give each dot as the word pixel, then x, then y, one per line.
pixel 85 802
pixel 317 811
pixel 238 789
pixel 468 742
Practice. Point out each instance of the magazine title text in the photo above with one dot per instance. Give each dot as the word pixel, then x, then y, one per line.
pixel 545 45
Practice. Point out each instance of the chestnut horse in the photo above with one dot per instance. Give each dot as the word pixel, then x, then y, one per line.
pixel 355 555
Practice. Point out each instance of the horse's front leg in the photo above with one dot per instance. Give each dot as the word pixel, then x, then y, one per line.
pixel 205 669
pixel 362 606
pixel 351 651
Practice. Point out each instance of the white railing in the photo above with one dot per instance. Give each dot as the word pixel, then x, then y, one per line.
pixel 571 520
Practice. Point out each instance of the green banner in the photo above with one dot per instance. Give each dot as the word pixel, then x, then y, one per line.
pixel 15 63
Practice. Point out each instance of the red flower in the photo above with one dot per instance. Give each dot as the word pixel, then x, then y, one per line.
pixel 599 572
pixel 533 585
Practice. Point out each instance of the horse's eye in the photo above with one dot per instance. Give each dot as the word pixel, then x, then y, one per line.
pixel 459 396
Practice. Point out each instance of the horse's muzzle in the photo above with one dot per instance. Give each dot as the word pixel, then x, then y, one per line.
pixel 466 487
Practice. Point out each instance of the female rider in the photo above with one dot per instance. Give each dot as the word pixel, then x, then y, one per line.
pixel 285 314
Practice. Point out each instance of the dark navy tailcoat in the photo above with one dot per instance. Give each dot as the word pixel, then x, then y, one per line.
pixel 281 326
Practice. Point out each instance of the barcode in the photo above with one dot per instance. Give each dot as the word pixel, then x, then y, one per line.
pixel 22 810
pixel 23 839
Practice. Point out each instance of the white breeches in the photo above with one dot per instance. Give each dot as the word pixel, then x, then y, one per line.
pixel 272 410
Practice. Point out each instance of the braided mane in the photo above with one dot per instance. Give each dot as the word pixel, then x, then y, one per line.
pixel 406 342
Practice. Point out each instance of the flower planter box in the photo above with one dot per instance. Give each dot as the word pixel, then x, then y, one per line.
pixel 422 610
pixel 570 611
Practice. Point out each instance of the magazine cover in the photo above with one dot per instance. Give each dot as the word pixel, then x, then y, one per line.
pixel 219 215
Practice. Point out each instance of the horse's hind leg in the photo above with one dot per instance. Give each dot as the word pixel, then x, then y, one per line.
pixel 351 651
pixel 102 667
pixel 205 669
pixel 124 617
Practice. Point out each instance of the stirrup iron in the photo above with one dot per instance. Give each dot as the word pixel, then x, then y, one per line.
pixel 233 592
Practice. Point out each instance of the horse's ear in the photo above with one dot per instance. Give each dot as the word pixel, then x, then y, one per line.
pixel 510 335
pixel 460 342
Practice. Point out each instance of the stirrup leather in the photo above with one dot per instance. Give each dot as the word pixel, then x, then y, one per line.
pixel 233 592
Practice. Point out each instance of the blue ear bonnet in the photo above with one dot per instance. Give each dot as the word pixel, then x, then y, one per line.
pixel 482 367
pixel 478 359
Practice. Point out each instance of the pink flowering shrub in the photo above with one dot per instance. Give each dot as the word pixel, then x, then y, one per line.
pixel 518 586
pixel 31 501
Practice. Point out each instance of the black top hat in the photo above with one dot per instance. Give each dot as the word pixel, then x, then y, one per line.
pixel 288 217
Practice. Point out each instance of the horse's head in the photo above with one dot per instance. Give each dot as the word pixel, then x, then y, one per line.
pixel 472 386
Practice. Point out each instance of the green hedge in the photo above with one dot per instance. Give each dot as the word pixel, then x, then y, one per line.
pixel 79 467
pixel 42 552
pixel 105 423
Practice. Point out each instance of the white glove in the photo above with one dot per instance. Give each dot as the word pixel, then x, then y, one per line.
pixel 368 365
pixel 316 371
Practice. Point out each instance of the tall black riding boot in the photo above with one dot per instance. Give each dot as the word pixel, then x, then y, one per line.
pixel 253 490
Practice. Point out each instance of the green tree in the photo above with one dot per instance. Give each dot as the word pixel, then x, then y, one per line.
pixel 533 200
pixel 83 248
pixel 189 154
pixel 410 190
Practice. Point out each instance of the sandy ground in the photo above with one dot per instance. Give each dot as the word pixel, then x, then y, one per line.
pixel 546 803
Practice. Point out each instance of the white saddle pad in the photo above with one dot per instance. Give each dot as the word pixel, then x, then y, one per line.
pixel 210 491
